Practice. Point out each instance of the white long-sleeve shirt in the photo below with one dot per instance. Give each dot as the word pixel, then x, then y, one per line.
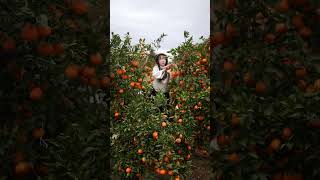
pixel 158 84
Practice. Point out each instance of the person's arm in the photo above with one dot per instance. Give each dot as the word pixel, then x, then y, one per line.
pixel 158 74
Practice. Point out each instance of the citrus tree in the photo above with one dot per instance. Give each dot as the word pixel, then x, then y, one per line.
pixel 147 142
pixel 191 88
pixel 52 66
pixel 266 89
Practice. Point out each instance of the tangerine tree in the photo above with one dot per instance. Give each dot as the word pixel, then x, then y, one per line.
pixel 53 63
pixel 266 78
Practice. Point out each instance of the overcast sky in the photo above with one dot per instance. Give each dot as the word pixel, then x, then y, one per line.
pixel 149 19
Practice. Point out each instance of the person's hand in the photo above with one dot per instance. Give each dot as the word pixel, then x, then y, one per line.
pixel 167 67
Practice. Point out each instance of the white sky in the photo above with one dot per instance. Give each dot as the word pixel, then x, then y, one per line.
pixel 149 19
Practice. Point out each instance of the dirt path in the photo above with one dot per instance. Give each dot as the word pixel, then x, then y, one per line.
pixel 201 168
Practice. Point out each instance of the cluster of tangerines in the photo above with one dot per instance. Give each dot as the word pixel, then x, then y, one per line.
pixel 297 25
pixel 298 21
pixel 194 80
pixel 22 166
pixel 33 33
pixel 274 145
pixel 126 79
pixel 87 73
pixel 38 35
pixel 159 164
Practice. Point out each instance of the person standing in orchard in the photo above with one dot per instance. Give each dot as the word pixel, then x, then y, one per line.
pixel 161 76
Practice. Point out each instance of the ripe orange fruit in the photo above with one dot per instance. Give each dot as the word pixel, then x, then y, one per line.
pixel 93 81
pixel 116 115
pixel 170 173
pixel 218 38
pixel 235 120
pixel 138 85
pixel 200 118
pixel 132 84
pixel 157 170
pixel 140 80
pixel 286 133
pixel 124 77
pixel 135 63
pixel 233 158
pixel 36 93
pixel 162 171
pixel 105 82
pixel 79 7
pixel 45 49
pixel 297 21
pixel 8 45
pixel 29 32
pixel 178 140
pixel 120 71
pixel 283 6
pixel 166 159
pixel 248 79
pixel 269 38
pixel 128 170
pixel 204 61
pixel 88 72
pixel 314 124
pixel 155 135
pixel 140 151
pixel 275 144
pixel 96 59
pixel 230 30
pixel 37 133
pixel 163 124
pixel 181 83
pixel 44 31
pixel 230 4
pixel 305 32
pixel 179 120
pixel 58 48
pixel 228 66
pixel 188 157
pixel 281 28
pixel 301 72
pixel 261 87
pixel 222 140
pixel 72 71
pixel 23 168
pixel 177 178
pixel 121 91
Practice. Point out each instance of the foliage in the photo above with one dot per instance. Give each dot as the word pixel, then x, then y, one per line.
pixel 266 81
pixel 52 67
